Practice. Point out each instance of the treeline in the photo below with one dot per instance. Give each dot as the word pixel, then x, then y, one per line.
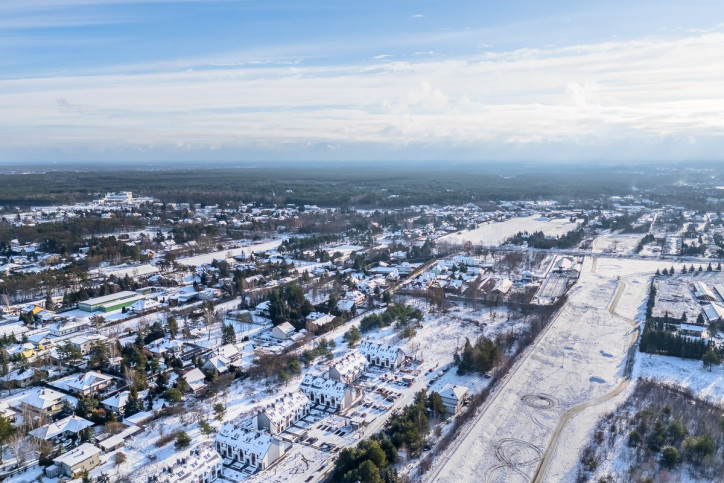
pixel 657 338
pixel 396 312
pixel 193 231
pixel 34 285
pixel 106 248
pixel 68 236
pixel 373 459
pixel 648 238
pixel 357 185
pixel 624 224
pixel 287 304
pixel 668 428
pixel 538 239
pixel 306 243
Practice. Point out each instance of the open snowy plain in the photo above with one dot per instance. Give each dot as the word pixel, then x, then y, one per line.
pixel 579 362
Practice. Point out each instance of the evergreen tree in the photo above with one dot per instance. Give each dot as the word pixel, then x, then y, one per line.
pixel 172 326
pixel 228 334
pixel 133 405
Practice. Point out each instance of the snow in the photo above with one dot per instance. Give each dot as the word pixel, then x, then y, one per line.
pixel 686 373
pixel 496 233
pixel 619 244
pixel 207 258
pixel 579 358
pixel 132 271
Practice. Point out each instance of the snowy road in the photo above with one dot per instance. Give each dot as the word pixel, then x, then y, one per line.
pixel 580 358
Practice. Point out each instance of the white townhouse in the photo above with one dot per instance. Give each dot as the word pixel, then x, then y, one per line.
pixel 248 446
pixel 284 412
pixel 333 394
pixel 198 465
pixel 381 355
pixel 349 367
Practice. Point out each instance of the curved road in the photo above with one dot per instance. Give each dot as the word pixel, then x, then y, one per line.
pixel 442 468
pixel 575 410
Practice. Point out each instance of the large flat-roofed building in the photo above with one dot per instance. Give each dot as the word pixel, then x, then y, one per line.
pixel 111 302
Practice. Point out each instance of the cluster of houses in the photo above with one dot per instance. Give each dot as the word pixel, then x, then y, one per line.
pixel 254 445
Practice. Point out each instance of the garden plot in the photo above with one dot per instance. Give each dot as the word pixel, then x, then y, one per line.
pixel 496 233
pixel 580 357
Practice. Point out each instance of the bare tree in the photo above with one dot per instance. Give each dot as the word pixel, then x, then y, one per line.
pixel 210 319
pixel 130 376
pixel 20 448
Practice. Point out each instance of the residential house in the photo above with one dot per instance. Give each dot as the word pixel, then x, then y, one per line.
pixel 89 383
pixel 453 397
pixel 284 412
pixel 43 401
pixel 163 346
pixel 333 394
pixel 117 403
pixel 349 367
pixel 219 364
pixel 283 331
pixel 317 320
pixel 381 355
pixel 21 377
pixel 195 379
pixel 85 342
pixel 248 446
pixel 75 462
pixel 59 431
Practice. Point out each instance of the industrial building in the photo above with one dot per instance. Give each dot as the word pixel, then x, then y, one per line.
pixel 108 303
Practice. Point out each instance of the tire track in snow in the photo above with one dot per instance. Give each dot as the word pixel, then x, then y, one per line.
pixel 575 410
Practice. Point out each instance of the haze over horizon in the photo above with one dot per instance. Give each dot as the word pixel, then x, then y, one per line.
pixel 164 80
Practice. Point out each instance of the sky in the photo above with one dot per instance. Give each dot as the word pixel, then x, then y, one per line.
pixel 246 80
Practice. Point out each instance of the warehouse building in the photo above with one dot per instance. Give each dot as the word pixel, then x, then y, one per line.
pixel 108 303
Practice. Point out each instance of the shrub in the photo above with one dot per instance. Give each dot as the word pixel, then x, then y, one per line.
pixel 670 457
pixel 634 438
pixel 182 440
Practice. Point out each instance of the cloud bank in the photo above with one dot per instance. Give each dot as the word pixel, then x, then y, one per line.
pixel 652 98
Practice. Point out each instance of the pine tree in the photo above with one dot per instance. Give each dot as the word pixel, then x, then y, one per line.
pixel 133 405
pixel 228 334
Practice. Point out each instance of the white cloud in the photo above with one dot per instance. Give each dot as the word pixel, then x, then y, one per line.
pixel 630 95
pixel 417 15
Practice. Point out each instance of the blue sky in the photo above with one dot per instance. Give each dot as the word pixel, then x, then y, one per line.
pixel 111 80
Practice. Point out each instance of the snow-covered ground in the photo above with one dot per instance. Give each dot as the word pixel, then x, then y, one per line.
pixel 496 233
pixel 687 373
pixel 207 258
pixel 618 244
pixel 121 271
pixel 580 357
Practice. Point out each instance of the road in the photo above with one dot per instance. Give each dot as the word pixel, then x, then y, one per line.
pixel 574 364
pixel 443 458
pixel 575 410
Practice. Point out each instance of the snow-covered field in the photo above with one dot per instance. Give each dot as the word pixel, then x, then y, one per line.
pixel 497 233
pixel 685 373
pixel 618 244
pixel 581 357
pixel 121 271
pixel 207 258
